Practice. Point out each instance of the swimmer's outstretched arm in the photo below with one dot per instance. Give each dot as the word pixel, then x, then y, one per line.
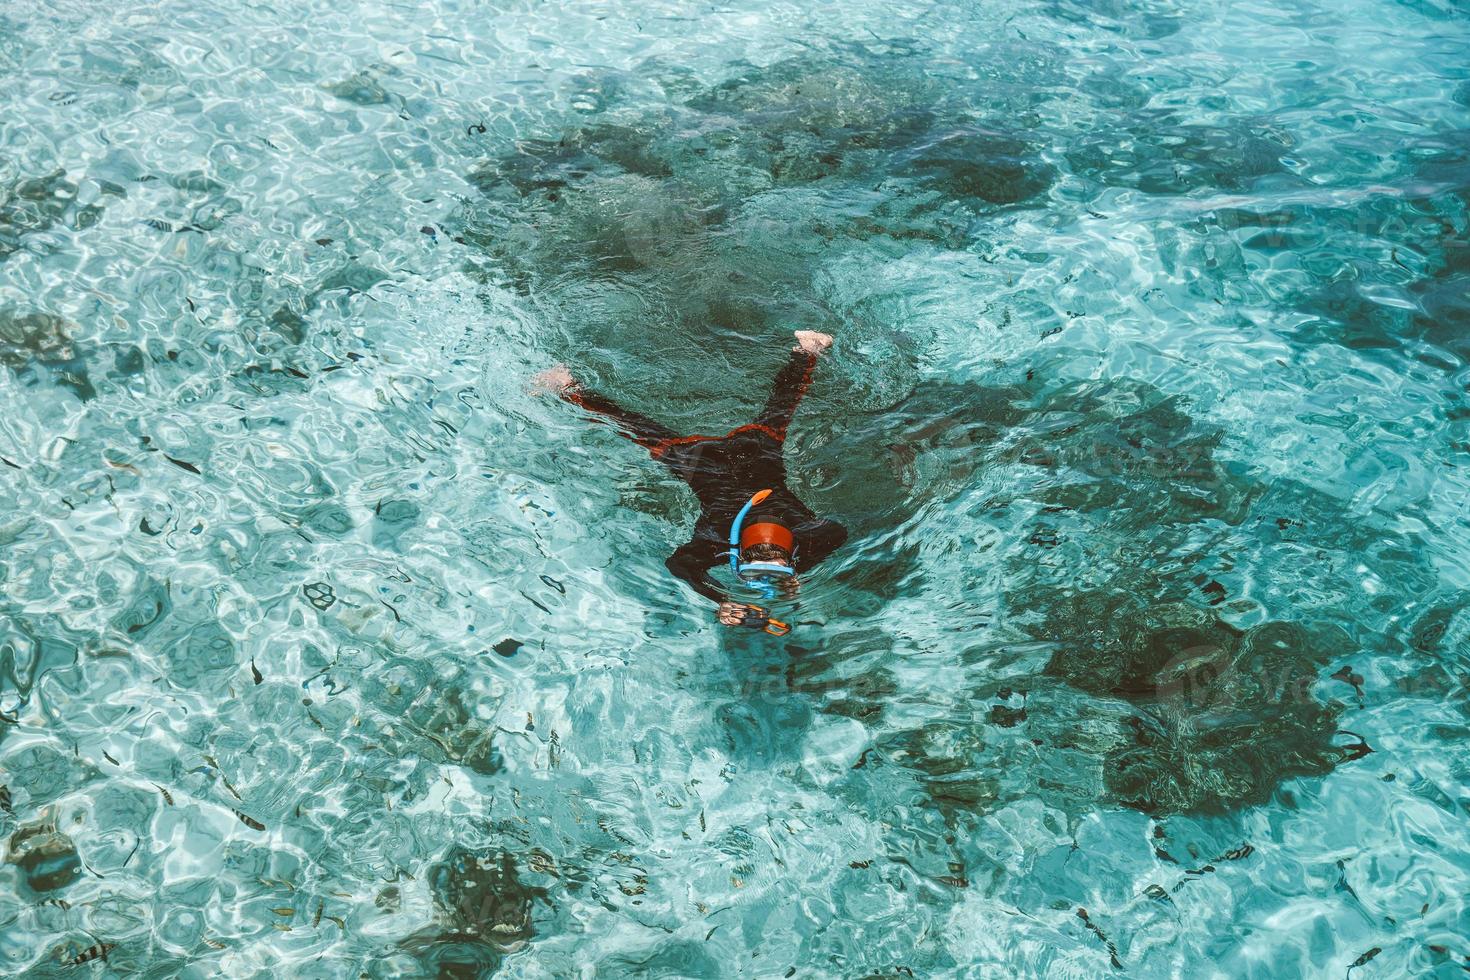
pixel 792 381
pixel 639 428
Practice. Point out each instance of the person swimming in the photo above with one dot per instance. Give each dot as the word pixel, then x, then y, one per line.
pixel 748 516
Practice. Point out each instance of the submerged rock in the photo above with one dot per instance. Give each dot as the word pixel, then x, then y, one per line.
pixel 47 858
pixel 484 911
pixel 718 210
pixel 1156 153
pixel 35 204
pixel 42 343
pixel 425 712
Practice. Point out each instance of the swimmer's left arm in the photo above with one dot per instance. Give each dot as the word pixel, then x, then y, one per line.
pixel 793 380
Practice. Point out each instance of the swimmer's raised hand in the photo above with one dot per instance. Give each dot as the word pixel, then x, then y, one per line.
pixel 813 342
pixel 554 380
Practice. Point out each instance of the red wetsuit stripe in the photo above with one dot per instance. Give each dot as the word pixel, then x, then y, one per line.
pixel 664 445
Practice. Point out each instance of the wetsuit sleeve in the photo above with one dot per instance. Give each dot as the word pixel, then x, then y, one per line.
pixel 790 384
pixel 640 428
pixel 819 542
pixel 692 563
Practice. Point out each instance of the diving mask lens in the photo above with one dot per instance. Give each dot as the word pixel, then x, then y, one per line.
pixel 765 571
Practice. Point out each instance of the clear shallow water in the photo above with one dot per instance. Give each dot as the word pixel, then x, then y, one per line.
pixel 1148 413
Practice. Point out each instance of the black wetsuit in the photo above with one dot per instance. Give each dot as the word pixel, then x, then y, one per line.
pixel 726 471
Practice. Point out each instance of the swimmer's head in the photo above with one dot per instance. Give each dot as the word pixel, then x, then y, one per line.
pixel 766 553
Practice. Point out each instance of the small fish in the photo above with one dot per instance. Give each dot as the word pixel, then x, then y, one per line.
pixel 60 903
pixel 213 943
pixel 248 820
pixel 1364 958
pixel 285 910
pixel 157 224
pixel 1347 676
pixel 166 797
pixel 94 952
pixel 109 758
pixel 182 464
pixel 1108 943
pixel 5 799
pixel 954 881
pixel 255 671
pixel 316 920
pixel 281 926
pixel 1351 753
pixel 340 924
pixel 860 864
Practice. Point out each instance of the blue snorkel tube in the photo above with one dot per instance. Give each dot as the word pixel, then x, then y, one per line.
pixel 735 530
pixel 773 626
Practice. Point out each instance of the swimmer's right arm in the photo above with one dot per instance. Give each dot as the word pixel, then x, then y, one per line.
pixel 641 429
pixel 692 563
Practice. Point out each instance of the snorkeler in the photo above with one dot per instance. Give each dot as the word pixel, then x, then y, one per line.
pixel 748 517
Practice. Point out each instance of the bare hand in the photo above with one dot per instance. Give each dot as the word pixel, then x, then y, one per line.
pixel 734 613
pixel 553 380
pixel 813 342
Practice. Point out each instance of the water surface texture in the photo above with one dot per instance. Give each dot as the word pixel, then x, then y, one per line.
pixel 327 649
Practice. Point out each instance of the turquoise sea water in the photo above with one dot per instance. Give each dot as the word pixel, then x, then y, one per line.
pixel 329 650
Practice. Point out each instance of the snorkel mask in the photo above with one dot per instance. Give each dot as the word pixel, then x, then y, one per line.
pixel 760 574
